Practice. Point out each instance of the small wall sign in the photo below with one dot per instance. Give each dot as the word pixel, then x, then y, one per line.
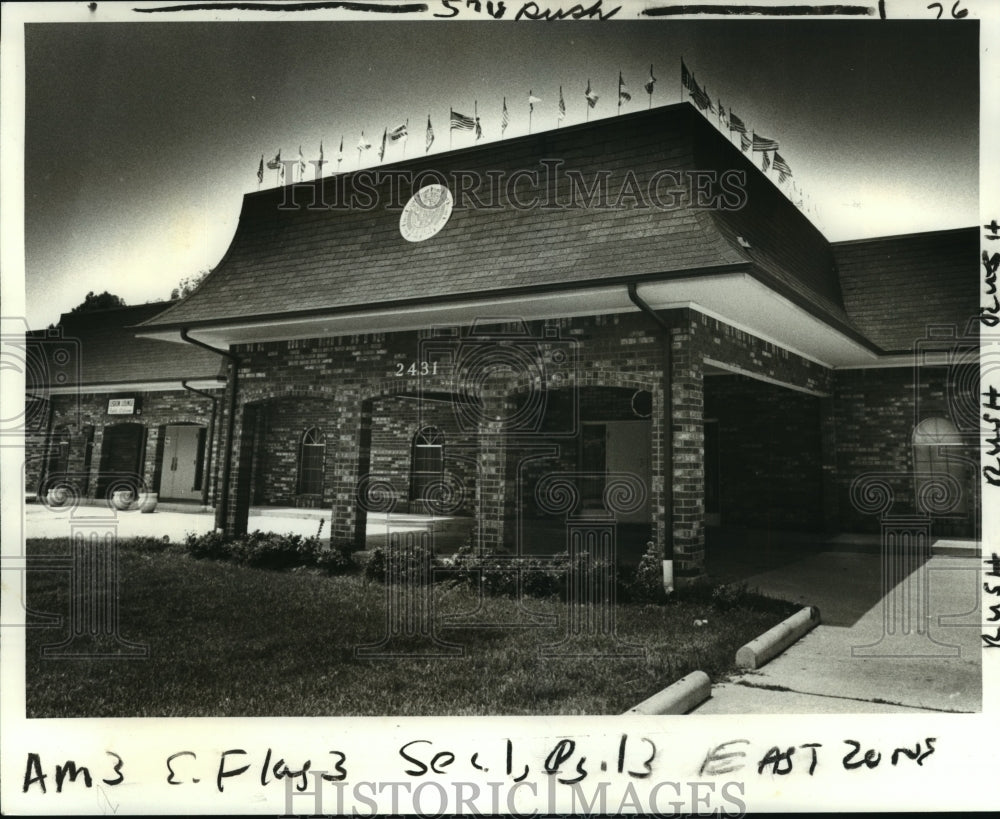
pixel 121 406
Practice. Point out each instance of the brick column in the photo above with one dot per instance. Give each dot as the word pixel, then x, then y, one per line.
pixel 345 462
pixel 688 415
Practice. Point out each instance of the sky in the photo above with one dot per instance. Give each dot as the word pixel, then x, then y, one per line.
pixel 141 139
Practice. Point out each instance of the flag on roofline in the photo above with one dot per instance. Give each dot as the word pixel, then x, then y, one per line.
pixel 592 98
pixel 764 144
pixel 479 130
pixel 735 123
pixel 504 117
pixel 260 169
pixel 650 82
pixel 744 142
pixel 430 135
pixel 532 99
pixel 722 113
pixel 460 122
pixel 766 163
pixel 301 165
pixel 623 93
pixel 781 166
pixel 321 153
pixel 275 163
pixel 562 105
pixel 363 144
pixel 381 150
pixel 340 153
pixel 399 132
pixel 686 76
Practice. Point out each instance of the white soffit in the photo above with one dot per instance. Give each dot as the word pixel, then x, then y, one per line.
pixel 735 298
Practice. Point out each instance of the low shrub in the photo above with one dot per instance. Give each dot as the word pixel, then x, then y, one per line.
pixel 645 585
pixel 334 561
pixel 211 545
pixel 410 562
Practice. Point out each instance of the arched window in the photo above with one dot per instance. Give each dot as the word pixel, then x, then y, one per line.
pixel 933 453
pixel 312 453
pixel 427 460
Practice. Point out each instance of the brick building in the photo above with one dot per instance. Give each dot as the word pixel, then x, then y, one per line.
pixel 623 320
pixel 114 411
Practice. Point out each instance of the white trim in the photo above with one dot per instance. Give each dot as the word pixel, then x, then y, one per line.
pixel 901 360
pixel 736 293
pixel 740 371
pixel 136 386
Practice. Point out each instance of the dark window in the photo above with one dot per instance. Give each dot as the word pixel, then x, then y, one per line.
pixel 312 453
pixel 427 460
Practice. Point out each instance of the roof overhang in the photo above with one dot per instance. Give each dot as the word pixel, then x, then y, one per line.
pixel 738 298
pixel 170 385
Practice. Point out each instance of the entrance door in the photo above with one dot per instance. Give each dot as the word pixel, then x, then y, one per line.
pixel 183 448
pixel 121 455
pixel 628 450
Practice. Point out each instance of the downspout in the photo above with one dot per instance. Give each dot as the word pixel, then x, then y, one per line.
pixel 668 436
pixel 222 512
pixel 211 441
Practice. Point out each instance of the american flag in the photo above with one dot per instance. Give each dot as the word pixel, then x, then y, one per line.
pixel 562 105
pixel 766 163
pixel 744 142
pixel 260 170
pixel 590 95
pixel 650 82
pixel 430 135
pixel 685 76
pixel 532 99
pixel 764 144
pixel 460 122
pixel 735 123
pixel 623 94
pixel 363 144
pixel 275 163
pixel 381 150
pixel 504 117
pixel 479 130
pixel 781 166
pixel 399 132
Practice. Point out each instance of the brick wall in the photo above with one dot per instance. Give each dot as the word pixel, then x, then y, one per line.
pixel 876 412
pixel 770 462
pixel 71 415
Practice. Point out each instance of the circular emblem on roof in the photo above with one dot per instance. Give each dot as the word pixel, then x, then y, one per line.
pixel 426 213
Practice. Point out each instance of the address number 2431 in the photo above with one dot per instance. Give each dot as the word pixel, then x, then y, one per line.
pixel 417 368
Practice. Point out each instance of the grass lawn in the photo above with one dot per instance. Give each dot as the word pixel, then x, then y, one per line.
pixel 226 640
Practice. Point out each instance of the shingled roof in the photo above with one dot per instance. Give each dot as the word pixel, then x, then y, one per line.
pixel 294 261
pixel 103 349
pixel 895 287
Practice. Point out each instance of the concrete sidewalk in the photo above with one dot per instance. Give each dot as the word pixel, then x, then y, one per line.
pixel 873 661
pixel 42 522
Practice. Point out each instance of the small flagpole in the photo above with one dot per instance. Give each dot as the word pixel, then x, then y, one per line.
pixel 587 117
pixel 651 87
pixel 451 119
pixel 619 93
pixel 475 119
pixel 530 109
pixel 407 137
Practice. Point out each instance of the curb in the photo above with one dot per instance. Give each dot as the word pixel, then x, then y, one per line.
pixel 773 641
pixel 677 698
